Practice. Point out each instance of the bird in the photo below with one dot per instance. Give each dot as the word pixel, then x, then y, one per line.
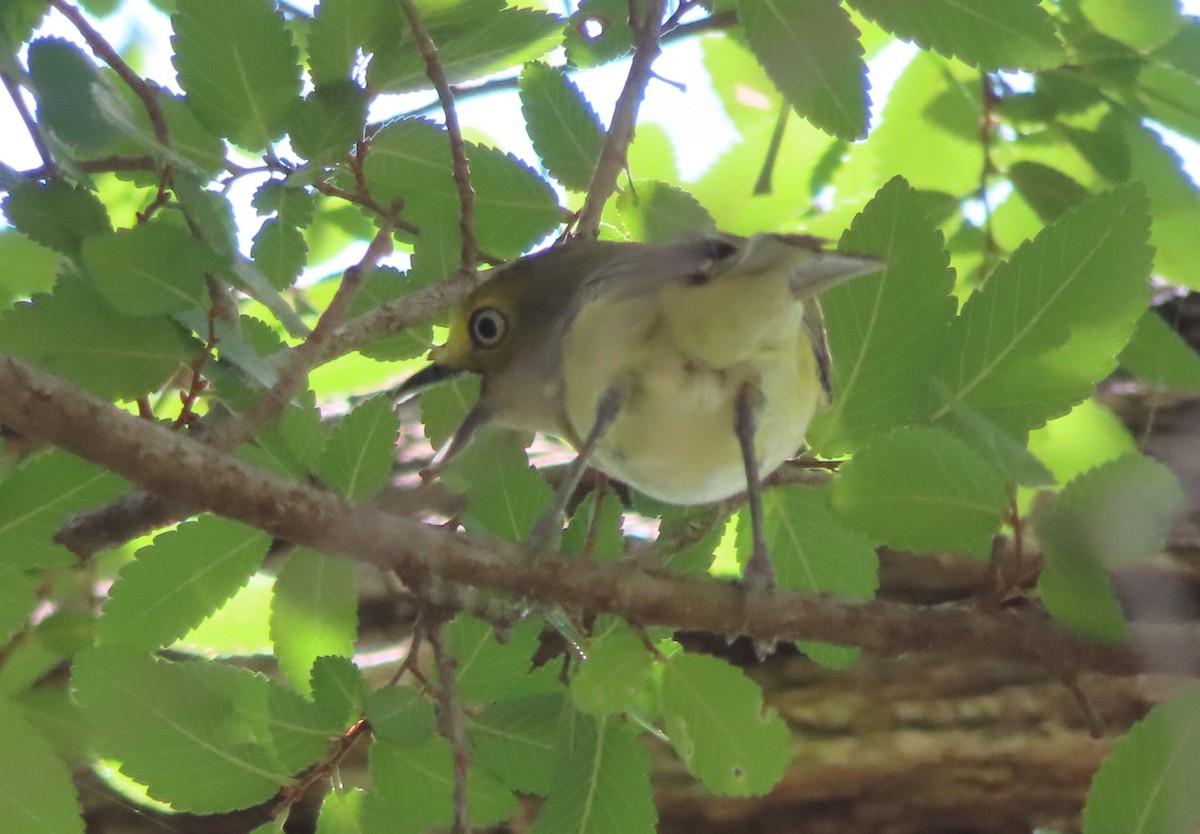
pixel 688 370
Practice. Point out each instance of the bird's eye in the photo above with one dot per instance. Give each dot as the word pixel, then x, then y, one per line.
pixel 487 326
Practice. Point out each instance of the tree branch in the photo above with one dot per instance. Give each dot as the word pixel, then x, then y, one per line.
pixel 620 130
pixel 37 404
pixel 458 151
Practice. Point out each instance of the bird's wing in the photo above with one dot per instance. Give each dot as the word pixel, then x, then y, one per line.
pixel 646 269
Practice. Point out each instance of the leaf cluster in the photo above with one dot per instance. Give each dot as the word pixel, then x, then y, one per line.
pixel 1015 184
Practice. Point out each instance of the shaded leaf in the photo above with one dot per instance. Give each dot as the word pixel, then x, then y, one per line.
pixel 38 793
pixel 715 717
pixel 811 51
pixel 314 612
pixel 174 583
pixel 153 268
pixel 73 333
pixel 922 489
pixel 601 782
pixel 41 494
pixel 565 130
pixel 992 34
pixel 238 65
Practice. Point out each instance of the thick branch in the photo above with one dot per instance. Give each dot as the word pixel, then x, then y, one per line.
pixel 35 403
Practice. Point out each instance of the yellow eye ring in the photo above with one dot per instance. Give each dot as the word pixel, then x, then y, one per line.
pixel 487 327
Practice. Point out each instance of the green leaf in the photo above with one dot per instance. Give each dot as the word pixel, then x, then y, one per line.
pixel 616 671
pixel 1077 591
pixel 715 718
pixel 1110 516
pixel 174 583
pixel 39 496
pixel 505 496
pixel 18 20
pixel 328 121
pixel 18 596
pixel 1049 191
pixel 991 34
pixel 418 781
pixel 517 740
pixel 400 714
pixel 1159 355
pixel 38 795
pixel 906 139
pixel 153 268
pixel 73 333
pixel 295 206
pixel 922 489
pixel 811 550
pixel 1005 451
pixel 1115 514
pixel 239 628
pixel 488 670
pixel 1146 784
pixel 656 212
pixel 292 444
pixel 29 266
pixel 68 87
pixel 566 132
pixel 444 407
pixel 340 28
pixel 279 252
pixel 601 782
pixel 238 65
pixel 58 215
pixel 1143 24
pixel 1050 321
pixel 381 285
pixel 1174 205
pixel 340 810
pixel 514 207
pixel 361 452
pixel 811 51
pixel 1086 437
pixel 597 33
pixel 595 527
pixel 338 689
pixel 883 330
pixel 314 612
pixel 195 733
pixel 474 38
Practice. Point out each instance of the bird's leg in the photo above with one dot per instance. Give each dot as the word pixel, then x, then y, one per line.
pixel 547 533
pixel 759 571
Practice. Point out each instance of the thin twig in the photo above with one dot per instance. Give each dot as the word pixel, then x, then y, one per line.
pixel 31 125
pixel 306 355
pixel 450 718
pixel 458 149
pixel 100 165
pixel 712 23
pixel 613 154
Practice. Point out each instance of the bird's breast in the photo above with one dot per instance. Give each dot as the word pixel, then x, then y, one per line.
pixel 682 356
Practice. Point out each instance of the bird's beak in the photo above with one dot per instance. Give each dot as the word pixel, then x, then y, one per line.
pixel 427 377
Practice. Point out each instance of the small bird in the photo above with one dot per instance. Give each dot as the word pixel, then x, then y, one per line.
pixel 687 370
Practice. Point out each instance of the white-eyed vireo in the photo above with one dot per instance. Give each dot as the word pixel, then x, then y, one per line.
pixel 687 370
